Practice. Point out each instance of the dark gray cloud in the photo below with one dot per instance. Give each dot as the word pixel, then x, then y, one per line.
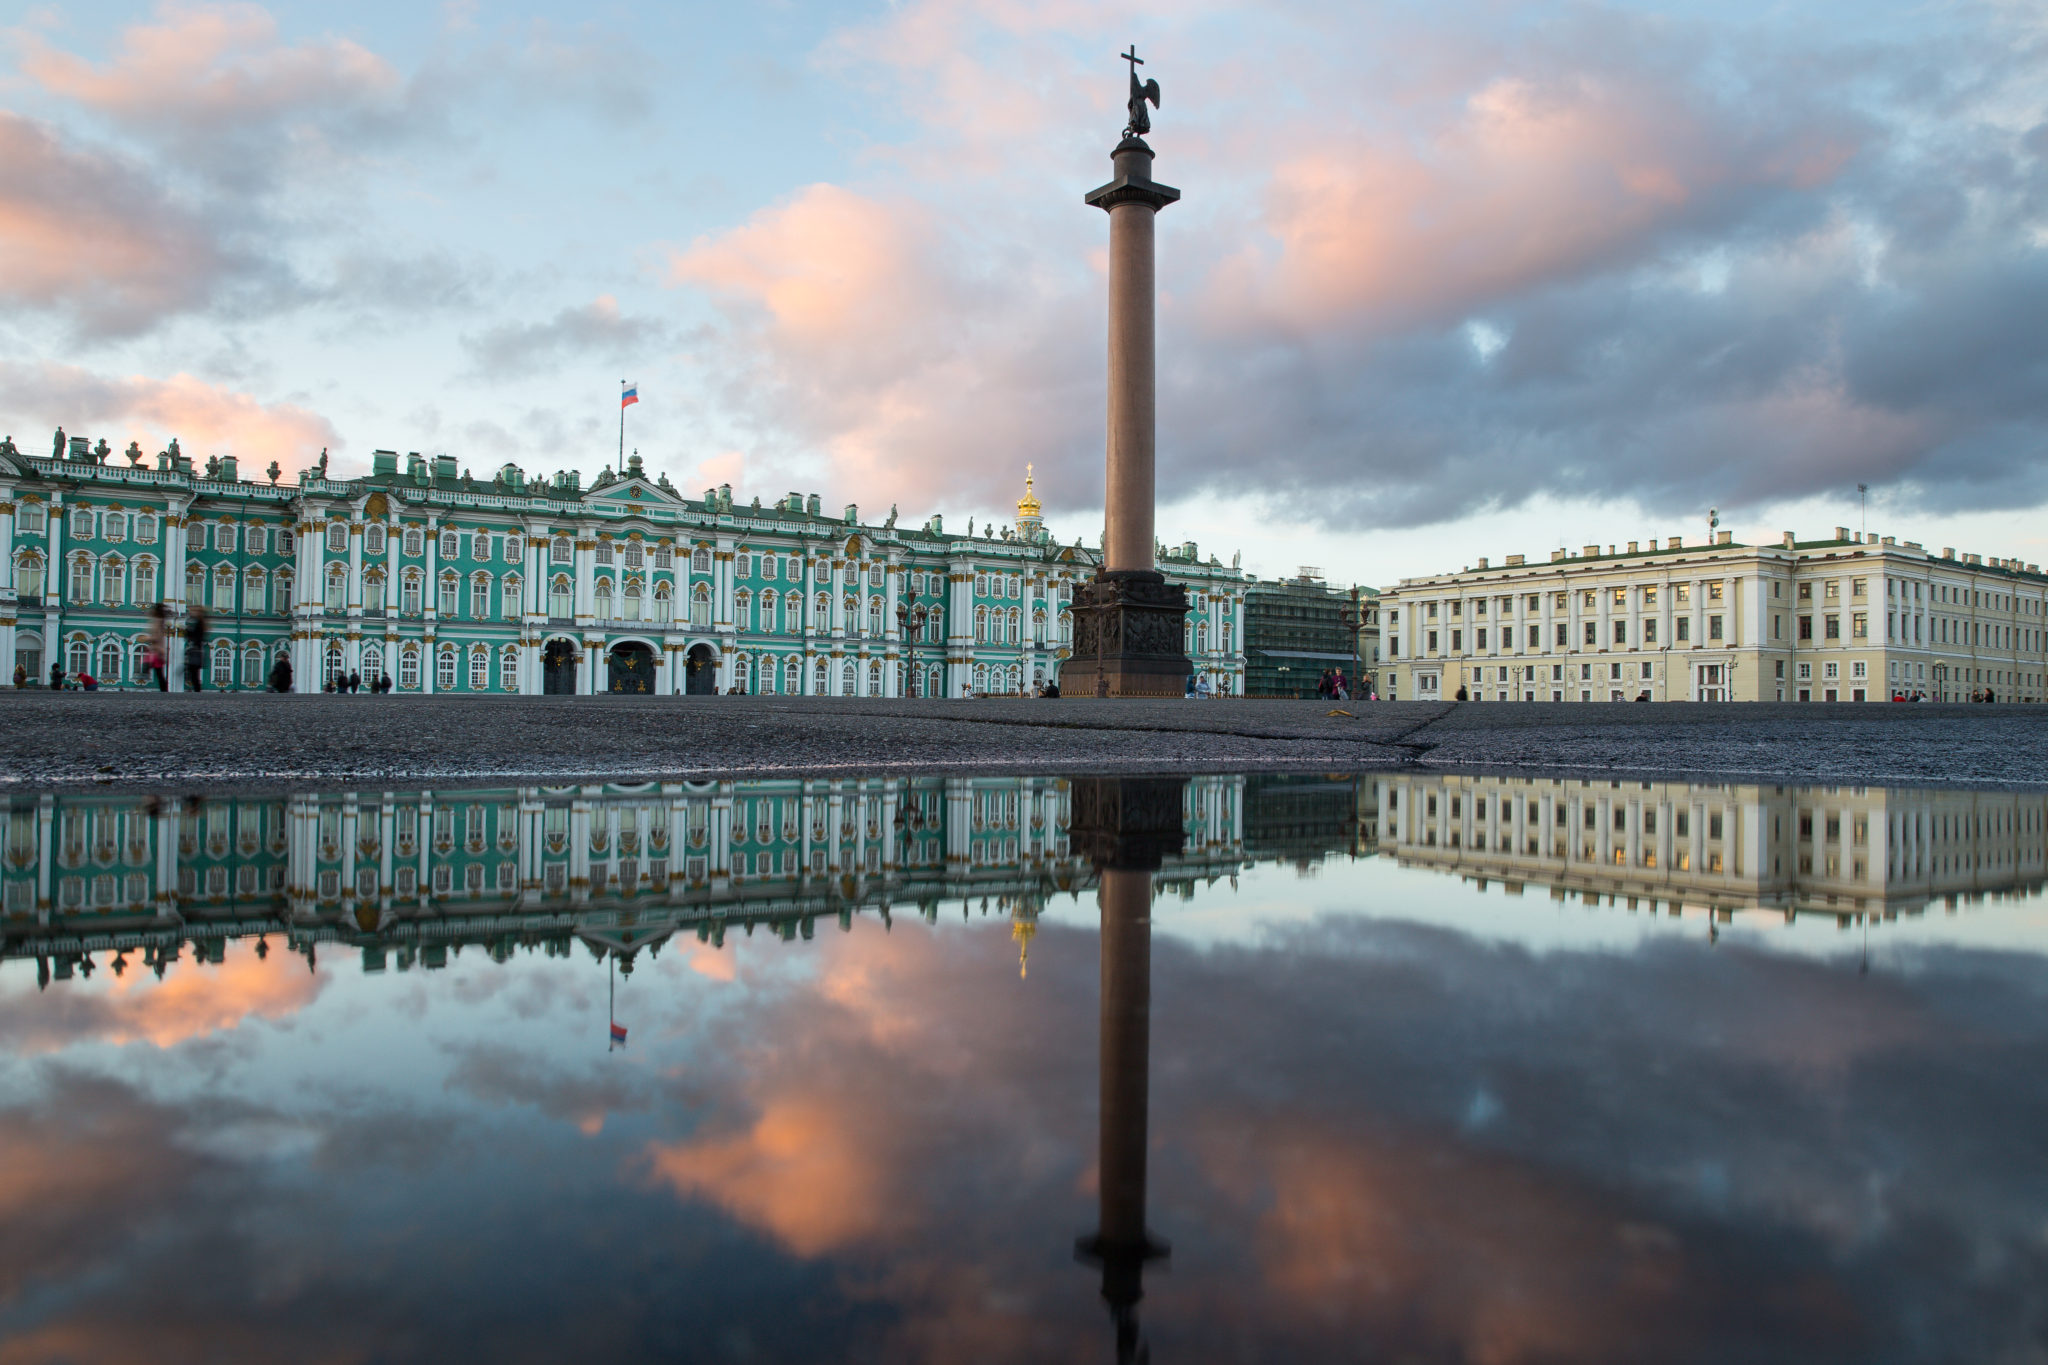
pixel 575 336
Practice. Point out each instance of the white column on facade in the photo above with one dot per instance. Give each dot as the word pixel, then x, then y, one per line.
pixel 430 606
pixel 352 657
pixel 9 597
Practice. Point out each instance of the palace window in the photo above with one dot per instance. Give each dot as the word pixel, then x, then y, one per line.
pixel 1684 624
pixel 633 599
pixel 373 663
pixel 81 580
pixel 337 537
pixel 373 540
pixel 561 551
pixel 409 594
pixel 664 558
pixel 1834 627
pixel 479 669
pixel 287 542
pixel 335 669
pixel 511 596
pixel 700 560
pixel 450 546
pixel 700 607
pixel 337 587
pixel 821 677
pixel 1713 627
pixel 793 675
pixel 604 599
pixel 480 548
pixel 664 603
pixel 114 526
pixel 31 519
pixel 81 524
pixel 515 549
pixel 415 542
pixel 145 582
pixel 981 625
pixel 223 664
pixel 111 582
pixel 1859 626
pixel 561 596
pixel 874 616
pixel 450 596
pixel 743 609
pixel 634 557
pixel 508 669
pixel 480 597
pixel 409 668
pixel 604 553
pixel 444 669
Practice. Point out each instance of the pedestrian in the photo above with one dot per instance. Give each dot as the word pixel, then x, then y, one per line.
pixel 56 677
pixel 281 675
pixel 88 682
pixel 195 649
pixel 20 676
pixel 1202 686
pixel 1462 694
pixel 153 655
pixel 355 682
pixel 384 683
pixel 1339 688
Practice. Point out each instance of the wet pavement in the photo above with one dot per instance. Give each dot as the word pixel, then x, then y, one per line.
pixel 74 739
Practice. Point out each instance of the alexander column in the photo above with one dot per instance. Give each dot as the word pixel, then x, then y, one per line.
pixel 1129 622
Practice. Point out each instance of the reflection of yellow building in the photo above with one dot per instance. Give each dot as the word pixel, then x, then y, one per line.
pixel 1831 850
pixel 619 867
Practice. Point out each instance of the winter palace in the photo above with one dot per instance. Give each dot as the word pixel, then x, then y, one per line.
pixel 1849 618
pixel 450 584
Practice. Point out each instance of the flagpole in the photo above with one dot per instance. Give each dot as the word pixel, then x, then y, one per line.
pixel 611 1009
pixel 622 426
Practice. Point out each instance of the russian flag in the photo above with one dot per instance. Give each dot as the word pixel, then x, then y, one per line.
pixel 631 396
pixel 619 1033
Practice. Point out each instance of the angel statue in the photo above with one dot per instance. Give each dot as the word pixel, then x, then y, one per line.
pixel 1141 122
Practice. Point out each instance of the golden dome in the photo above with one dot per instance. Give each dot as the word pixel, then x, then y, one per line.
pixel 1027 506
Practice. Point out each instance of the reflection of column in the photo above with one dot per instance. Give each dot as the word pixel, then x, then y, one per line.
pixel 1126 827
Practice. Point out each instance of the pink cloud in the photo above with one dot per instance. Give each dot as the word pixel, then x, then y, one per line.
pixel 94 234
pixel 206 418
pixel 211 67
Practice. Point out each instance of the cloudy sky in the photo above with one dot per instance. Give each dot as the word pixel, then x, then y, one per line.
pixel 1448 280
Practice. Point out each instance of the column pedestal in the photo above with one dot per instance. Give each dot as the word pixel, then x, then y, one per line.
pixel 1130 628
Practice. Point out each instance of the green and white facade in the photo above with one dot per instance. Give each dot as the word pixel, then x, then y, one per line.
pixel 452 584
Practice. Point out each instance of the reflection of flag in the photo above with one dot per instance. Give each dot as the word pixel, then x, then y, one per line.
pixel 619 1033
pixel 630 396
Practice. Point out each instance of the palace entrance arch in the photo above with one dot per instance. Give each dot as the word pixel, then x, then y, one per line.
pixel 631 668
pixel 558 668
pixel 700 671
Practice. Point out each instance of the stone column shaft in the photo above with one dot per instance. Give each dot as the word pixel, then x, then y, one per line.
pixel 1133 398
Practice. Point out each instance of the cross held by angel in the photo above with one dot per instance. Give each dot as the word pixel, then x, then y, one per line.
pixel 1141 122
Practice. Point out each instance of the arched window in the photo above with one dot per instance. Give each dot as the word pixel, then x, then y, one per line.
pixel 1038 625
pixel 634 594
pixel 874 677
pixel 28 576
pixel 223 664
pixel 664 557
pixel 515 549
pixel 981 625
pixel 480 547
pixel 874 575
pixel 480 597
pixel 633 556
pixel 792 675
pixel 1201 637
pixel 287 542
pixel 81 580
pixel 337 587
pixel 409 589
pixel 1016 625
pixel 700 560
pixel 849 680
pixel 450 546
pixel 1016 678
pixel 450 602
pixel 849 611
pixel 561 551
pixel 223 588
pixel 81 524
pixel 373 662
pixel 335 667
pixel 479 669
pixel 604 553
pixel 30 520
pixel 110 662
pixel 821 678
pixel 252 538
pixel 604 599
pixel 415 542
pixel 664 603
pixel 981 585
pixel 935 681
pixel 1066 628
pixel 874 616
pixel 409 668
pixel 284 592
pixel 114 526
pixel 112 580
pixel 981 677
pixel 78 658
pixel 373 539
pixel 768 601
pixel 145 582
pixel 508 668
pixel 743 609
pixel 822 612
pixel 741 676
pixel 145 527
pixel 561 597
pixel 445 663
pixel 511 598
pixel 195 583
pixel 700 607
pixel 337 537
pixel 252 666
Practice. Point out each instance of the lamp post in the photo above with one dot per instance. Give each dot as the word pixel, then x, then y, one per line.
pixel 910 619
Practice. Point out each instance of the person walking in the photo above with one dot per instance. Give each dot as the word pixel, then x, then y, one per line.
pixel 20 677
pixel 195 649
pixel 281 675
pixel 355 682
pixel 56 677
pixel 153 655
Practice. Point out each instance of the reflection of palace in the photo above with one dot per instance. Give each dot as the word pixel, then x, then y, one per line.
pixel 1840 851
pixel 410 875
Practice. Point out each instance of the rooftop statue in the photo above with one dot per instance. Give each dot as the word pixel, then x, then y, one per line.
pixel 57 445
pixel 1141 122
pixel 7 446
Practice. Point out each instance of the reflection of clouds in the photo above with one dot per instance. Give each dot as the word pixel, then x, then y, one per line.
pixel 498 1073
pixel 193 1000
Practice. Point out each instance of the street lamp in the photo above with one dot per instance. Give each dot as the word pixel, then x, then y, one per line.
pixel 911 618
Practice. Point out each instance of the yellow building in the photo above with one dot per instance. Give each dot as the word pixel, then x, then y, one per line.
pixel 1843 619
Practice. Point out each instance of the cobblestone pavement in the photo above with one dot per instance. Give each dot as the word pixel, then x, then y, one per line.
pixel 217 740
